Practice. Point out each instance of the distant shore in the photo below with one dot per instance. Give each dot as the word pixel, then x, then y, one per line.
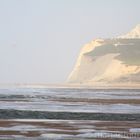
pixel 71 85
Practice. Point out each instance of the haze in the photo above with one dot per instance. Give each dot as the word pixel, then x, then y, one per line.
pixel 40 39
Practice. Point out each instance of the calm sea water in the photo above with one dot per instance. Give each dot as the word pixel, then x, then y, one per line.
pixel 123 101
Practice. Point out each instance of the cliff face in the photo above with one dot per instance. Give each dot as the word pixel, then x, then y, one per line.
pixel 109 61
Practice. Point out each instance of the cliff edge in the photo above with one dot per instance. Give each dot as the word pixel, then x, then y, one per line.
pixel 109 61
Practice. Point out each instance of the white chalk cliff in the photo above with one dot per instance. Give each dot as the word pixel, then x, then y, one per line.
pixel 109 61
pixel 134 33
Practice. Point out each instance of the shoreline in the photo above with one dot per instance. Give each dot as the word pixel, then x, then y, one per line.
pixel 77 86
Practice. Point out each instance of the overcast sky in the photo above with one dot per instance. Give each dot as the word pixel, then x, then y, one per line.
pixel 40 39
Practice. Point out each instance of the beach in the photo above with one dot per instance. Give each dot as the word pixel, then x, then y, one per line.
pixel 69 113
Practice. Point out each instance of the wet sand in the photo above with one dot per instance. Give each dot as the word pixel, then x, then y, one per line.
pixel 69 114
pixel 21 114
pixel 68 129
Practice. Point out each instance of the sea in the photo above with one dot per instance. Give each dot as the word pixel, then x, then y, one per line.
pixel 55 113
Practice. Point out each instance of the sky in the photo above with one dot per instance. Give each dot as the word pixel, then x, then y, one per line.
pixel 40 39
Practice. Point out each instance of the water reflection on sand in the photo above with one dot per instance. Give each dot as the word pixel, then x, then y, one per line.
pixel 71 100
pixel 20 102
pixel 68 129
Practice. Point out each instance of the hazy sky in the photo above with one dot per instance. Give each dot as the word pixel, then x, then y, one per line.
pixel 40 39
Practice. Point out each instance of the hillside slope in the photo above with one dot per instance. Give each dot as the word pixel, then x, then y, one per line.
pixel 109 61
